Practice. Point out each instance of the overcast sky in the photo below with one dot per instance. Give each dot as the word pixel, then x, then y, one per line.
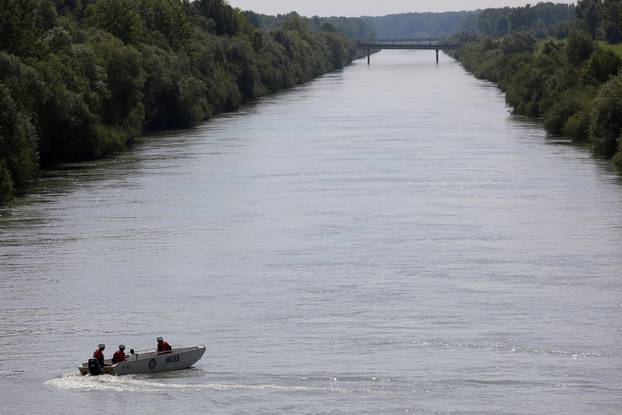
pixel 370 7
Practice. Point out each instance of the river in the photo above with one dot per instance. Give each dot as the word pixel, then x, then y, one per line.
pixel 385 239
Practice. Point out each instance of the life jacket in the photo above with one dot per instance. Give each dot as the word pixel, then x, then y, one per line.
pixel 119 356
pixel 99 355
pixel 164 347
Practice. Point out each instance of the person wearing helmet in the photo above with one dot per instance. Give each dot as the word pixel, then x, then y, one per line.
pixel 99 354
pixel 119 355
pixel 163 347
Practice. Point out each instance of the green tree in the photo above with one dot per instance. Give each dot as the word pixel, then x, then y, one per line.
pixel 6 184
pixel 244 66
pixel 73 8
pixel 45 15
pixel 67 111
pixel 519 42
pixel 579 47
pixel 612 21
pixel 167 18
pixel 220 13
pixel 118 17
pixel 589 12
pixel 522 18
pixel 18 141
pixel 125 80
pixel 602 66
pixel 606 125
pixel 18 29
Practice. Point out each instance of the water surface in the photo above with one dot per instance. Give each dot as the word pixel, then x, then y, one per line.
pixel 386 239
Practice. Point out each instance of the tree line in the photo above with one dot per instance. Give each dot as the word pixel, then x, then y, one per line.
pixel 601 18
pixel 541 20
pixel 352 27
pixel 419 25
pixel 573 83
pixel 80 79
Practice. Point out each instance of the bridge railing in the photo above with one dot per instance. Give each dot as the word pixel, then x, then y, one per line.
pixel 406 42
pixel 422 44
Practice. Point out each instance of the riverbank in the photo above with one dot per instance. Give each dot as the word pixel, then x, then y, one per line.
pixel 79 83
pixel 573 85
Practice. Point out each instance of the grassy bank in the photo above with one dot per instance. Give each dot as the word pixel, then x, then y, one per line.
pixel 80 80
pixel 617 49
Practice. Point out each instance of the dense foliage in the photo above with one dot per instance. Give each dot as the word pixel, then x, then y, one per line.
pixel 574 85
pixel 80 79
pixel 352 27
pixel 419 25
pixel 602 18
pixel 541 20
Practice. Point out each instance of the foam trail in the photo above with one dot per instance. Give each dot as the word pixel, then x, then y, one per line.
pixel 130 383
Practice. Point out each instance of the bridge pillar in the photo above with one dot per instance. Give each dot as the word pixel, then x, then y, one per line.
pixel 436 55
pixel 368 55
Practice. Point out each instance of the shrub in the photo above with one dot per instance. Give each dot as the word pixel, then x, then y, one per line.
pixel 606 124
pixel 602 66
pixel 518 42
pixel 6 184
pixel 577 126
pixel 579 47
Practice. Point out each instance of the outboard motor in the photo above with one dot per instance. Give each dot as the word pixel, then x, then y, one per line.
pixel 94 368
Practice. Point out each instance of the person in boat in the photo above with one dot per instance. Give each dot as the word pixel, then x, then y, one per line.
pixel 163 347
pixel 99 354
pixel 119 355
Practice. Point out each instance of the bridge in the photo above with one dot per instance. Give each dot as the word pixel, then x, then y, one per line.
pixel 415 44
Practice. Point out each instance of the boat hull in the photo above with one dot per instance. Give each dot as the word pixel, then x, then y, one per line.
pixel 152 362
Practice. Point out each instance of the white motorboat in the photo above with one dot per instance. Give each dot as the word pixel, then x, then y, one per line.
pixel 147 362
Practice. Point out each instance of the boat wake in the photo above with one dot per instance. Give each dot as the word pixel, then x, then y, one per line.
pixel 136 383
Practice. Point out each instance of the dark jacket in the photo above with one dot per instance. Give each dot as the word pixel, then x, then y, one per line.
pixel 99 355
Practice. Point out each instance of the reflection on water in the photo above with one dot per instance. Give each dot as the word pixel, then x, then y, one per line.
pixel 386 239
